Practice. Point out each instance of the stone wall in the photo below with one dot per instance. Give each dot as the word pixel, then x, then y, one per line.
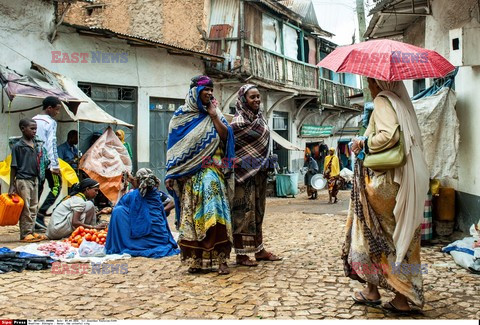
pixel 178 22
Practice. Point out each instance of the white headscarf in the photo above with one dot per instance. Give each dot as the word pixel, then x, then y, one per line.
pixel 413 177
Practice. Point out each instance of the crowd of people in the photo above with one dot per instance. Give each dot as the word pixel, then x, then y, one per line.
pixel 218 207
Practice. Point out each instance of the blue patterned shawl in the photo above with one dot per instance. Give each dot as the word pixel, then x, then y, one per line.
pixel 191 137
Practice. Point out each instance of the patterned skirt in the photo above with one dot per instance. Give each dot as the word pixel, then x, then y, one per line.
pixel 369 252
pixel 205 221
pixel 247 214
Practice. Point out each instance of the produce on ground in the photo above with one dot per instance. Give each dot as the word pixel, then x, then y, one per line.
pixel 80 234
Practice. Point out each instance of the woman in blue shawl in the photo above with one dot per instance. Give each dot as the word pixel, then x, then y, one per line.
pixel 139 225
pixel 200 156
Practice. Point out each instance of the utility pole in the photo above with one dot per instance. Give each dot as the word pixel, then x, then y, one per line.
pixel 361 31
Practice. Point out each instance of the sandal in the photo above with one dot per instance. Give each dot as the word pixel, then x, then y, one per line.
pixel 246 262
pixel 394 310
pixel 30 239
pixel 40 236
pixel 269 257
pixel 364 300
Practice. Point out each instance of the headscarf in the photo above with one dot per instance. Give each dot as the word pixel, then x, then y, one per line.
pixel 413 177
pixel 79 188
pixel 200 82
pixel 252 137
pixel 192 137
pixel 121 135
pixel 146 180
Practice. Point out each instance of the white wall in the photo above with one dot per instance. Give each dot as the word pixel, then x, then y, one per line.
pixel 467 85
pixel 155 72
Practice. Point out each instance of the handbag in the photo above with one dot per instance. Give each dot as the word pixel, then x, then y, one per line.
pixel 391 158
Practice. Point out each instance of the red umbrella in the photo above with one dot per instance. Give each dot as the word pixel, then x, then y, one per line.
pixel 387 60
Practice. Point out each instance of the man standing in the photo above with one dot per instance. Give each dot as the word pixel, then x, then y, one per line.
pixel 47 132
pixel 68 151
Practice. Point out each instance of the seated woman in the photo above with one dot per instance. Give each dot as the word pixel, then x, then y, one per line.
pixel 139 224
pixel 75 210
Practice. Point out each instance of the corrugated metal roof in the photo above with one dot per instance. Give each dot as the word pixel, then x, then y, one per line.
pixel 387 23
pixel 304 8
pixel 279 7
pixel 143 40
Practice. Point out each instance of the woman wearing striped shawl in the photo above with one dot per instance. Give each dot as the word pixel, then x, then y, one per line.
pixel 198 134
pixel 252 137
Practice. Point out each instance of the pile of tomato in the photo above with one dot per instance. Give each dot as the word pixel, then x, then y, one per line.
pixel 80 234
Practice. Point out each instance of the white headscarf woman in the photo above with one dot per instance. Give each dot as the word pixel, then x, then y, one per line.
pixel 413 177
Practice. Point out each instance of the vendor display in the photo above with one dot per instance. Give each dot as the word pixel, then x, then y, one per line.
pixel 80 234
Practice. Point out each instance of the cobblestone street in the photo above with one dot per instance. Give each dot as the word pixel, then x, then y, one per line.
pixel 308 284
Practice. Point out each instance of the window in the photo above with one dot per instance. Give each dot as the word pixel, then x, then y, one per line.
pixel 280 121
pixel 418 86
pixel 126 93
pixel 165 104
pixel 87 89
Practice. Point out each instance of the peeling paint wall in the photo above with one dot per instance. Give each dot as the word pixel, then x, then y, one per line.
pixel 182 22
pixel 178 22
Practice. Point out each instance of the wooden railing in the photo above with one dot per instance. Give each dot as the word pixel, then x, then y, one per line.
pixel 272 66
pixel 277 68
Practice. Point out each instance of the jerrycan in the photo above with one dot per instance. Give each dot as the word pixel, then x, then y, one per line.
pixel 10 209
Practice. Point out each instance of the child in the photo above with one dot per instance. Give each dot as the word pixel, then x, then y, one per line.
pixel 47 132
pixel 25 171
pixel 75 210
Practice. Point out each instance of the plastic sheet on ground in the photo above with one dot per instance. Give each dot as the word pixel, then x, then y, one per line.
pixel 464 254
pixel 33 249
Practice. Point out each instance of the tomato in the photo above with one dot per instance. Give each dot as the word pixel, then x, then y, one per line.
pixel 80 241
pixel 81 228
pixel 94 237
pixel 88 237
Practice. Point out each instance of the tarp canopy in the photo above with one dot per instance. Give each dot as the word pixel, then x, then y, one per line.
pixel 25 93
pixel 28 92
pixel 284 142
pixel 88 110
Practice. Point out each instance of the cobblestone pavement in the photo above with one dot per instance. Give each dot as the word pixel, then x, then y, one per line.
pixel 307 284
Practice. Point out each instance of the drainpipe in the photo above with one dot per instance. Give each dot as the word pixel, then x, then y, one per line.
pixel 241 35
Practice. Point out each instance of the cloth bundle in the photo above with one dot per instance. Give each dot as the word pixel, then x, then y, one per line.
pixel 17 261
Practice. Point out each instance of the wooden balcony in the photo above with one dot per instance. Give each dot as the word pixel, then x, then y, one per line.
pixel 282 71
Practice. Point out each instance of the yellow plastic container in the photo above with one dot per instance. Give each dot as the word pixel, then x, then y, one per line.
pixel 445 204
pixel 10 209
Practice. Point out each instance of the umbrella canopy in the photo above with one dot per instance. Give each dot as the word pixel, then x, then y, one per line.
pixel 387 60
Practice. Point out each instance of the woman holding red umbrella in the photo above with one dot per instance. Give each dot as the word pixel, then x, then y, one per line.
pixel 382 245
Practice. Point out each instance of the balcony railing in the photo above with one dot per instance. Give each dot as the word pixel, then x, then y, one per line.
pixel 277 68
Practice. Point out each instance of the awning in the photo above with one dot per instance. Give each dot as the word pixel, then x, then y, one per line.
pixel 24 93
pixel 284 142
pixel 391 17
pixel 88 110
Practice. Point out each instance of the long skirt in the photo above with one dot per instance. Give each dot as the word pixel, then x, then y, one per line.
pixel 248 212
pixel 205 221
pixel 333 185
pixel 369 252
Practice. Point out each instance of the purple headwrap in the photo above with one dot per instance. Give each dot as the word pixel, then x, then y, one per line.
pixel 204 81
